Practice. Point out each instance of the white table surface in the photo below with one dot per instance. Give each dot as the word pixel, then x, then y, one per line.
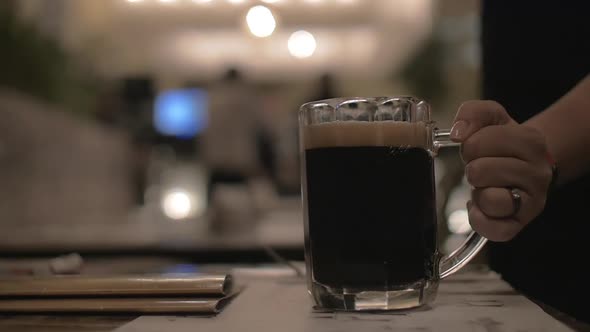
pixel 472 301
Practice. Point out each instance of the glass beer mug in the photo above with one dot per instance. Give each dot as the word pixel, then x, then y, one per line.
pixel 369 204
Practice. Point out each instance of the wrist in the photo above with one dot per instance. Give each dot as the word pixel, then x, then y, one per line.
pixel 554 172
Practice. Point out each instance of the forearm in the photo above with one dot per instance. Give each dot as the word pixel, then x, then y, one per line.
pixel 566 126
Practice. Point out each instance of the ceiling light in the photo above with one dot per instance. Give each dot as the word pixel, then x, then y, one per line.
pixel 301 44
pixel 260 21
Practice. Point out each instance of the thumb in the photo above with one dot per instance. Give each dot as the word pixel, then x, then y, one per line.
pixel 476 114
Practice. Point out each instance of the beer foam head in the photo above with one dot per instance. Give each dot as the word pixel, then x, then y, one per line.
pixel 361 133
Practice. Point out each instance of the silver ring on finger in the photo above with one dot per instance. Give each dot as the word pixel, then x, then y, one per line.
pixel 516 201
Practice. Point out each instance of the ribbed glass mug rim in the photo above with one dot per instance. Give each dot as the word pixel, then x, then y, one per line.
pixel 381 108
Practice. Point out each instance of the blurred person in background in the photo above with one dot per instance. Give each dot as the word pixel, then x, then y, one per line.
pixel 525 148
pixel 230 144
pixel 137 97
pixel 325 88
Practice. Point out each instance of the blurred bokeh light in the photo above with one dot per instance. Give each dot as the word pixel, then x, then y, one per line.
pixel 261 22
pixel 181 113
pixel 301 44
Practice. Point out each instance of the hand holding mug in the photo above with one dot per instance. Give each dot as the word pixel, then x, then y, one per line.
pixel 506 163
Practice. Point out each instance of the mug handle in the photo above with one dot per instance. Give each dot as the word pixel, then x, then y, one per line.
pixel 454 261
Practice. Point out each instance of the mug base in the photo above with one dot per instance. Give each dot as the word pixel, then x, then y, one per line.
pixel 343 299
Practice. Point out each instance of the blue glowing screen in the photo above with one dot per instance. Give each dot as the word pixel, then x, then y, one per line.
pixel 181 112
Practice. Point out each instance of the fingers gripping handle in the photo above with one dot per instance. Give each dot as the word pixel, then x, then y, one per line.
pixel 474 243
pixel 442 139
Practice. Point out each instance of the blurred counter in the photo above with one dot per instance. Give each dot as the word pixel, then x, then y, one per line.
pixel 281 229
